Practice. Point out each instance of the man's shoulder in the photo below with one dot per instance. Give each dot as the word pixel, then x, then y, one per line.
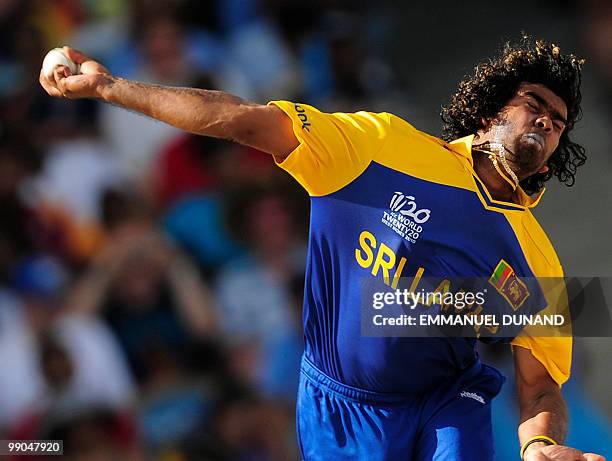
pixel 419 154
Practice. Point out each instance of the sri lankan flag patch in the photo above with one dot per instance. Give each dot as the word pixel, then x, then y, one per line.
pixel 509 285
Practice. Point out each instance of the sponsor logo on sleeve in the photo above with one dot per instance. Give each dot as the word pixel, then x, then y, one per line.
pixel 301 114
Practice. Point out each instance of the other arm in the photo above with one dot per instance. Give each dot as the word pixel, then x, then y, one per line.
pixel 542 412
pixel 203 112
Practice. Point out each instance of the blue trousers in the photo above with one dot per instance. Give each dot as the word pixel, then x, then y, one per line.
pixel 450 423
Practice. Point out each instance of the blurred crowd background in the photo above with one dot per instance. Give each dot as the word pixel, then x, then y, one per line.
pixel 151 281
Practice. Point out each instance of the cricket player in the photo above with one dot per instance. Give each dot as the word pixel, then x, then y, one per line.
pixel 466 210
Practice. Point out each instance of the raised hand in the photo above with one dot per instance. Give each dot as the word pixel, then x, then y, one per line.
pixel 92 78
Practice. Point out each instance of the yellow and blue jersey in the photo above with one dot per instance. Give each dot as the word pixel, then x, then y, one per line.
pixel 358 169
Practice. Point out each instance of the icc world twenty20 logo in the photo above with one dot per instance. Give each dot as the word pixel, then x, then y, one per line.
pixel 406 205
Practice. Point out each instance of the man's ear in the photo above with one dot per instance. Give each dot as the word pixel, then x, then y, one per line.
pixel 484 124
pixel 544 169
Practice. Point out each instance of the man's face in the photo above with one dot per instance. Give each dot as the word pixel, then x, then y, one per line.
pixel 530 126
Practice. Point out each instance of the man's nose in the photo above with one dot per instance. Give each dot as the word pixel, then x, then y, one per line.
pixel 544 123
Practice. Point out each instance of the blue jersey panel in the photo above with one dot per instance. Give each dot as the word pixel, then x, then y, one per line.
pixel 354 235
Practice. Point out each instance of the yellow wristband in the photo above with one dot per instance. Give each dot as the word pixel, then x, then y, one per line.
pixel 537 438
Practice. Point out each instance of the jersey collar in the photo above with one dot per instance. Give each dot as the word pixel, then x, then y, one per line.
pixel 463 147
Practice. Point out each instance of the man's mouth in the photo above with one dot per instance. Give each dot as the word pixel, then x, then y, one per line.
pixel 537 138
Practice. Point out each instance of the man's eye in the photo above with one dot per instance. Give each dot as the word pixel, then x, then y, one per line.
pixel 532 105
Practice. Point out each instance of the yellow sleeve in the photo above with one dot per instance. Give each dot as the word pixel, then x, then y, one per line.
pixel 555 353
pixel 334 148
pixel 552 347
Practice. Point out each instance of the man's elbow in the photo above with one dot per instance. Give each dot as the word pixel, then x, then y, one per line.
pixel 266 128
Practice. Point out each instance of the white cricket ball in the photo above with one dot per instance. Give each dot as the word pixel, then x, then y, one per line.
pixel 57 57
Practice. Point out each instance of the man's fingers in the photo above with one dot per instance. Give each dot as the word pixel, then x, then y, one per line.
pixel 75 86
pixel 60 72
pixel 593 457
pixel 77 56
pixel 51 83
pixel 49 87
pixel 67 85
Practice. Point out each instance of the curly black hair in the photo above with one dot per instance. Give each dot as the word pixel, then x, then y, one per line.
pixel 494 82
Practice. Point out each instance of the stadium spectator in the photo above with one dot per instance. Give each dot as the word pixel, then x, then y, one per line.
pixel 58 359
pixel 150 294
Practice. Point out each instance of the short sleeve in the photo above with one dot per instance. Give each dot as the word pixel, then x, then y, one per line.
pixel 555 353
pixel 334 148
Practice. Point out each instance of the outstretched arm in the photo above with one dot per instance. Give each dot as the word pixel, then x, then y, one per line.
pixel 543 412
pixel 203 112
